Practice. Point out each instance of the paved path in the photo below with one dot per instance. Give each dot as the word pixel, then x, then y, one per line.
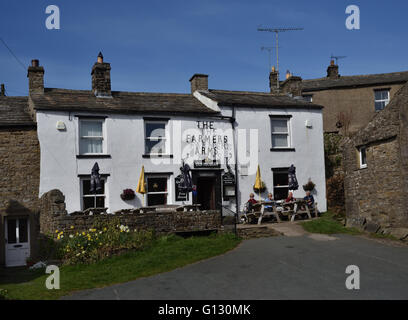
pixel 303 266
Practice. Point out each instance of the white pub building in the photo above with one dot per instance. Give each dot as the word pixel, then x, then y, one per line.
pixel 206 129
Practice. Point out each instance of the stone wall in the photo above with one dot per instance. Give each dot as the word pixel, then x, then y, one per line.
pixel 19 178
pixel 53 217
pixel 376 196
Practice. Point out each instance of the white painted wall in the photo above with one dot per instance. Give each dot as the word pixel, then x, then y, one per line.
pixel 125 143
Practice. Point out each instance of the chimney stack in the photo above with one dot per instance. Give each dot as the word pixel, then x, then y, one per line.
pixel 273 80
pixel 292 85
pixel 101 81
pixel 333 70
pixel 2 91
pixel 35 77
pixel 199 82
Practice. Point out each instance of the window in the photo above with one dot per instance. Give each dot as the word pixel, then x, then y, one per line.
pixel 363 157
pixel 89 198
pixel 308 98
pixel 157 190
pixel 155 137
pixel 91 136
pixel 280 132
pixel 280 183
pixel 382 97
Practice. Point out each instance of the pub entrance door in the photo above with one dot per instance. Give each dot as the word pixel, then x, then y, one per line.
pixel 208 183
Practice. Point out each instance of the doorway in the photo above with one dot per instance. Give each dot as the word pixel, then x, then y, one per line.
pixel 206 193
pixel 17 232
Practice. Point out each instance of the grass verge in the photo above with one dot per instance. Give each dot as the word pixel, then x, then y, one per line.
pixel 166 253
pixel 327 224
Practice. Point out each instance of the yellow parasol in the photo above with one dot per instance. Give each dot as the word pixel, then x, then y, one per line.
pixel 141 185
pixel 258 181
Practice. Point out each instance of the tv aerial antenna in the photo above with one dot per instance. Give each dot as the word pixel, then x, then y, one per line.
pixel 277 31
pixel 337 57
pixel 269 49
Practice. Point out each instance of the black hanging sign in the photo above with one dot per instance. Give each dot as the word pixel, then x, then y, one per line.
pixel 181 193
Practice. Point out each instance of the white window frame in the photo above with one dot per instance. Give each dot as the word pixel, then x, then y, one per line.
pixel 96 137
pixel 360 152
pixel 105 195
pixel 288 133
pixel 166 138
pixel 387 100
pixel 169 184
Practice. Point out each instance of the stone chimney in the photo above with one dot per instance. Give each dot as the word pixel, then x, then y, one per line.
pixel 292 85
pixel 101 81
pixel 333 70
pixel 35 77
pixel 2 91
pixel 199 82
pixel 273 80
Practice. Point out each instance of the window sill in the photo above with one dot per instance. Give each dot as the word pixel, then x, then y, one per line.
pixel 283 149
pixel 93 156
pixel 148 156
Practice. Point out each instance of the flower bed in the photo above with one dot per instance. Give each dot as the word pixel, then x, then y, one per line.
pixel 104 239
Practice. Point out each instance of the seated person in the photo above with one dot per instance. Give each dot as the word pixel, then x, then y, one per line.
pixel 290 197
pixel 269 203
pixel 251 202
pixel 309 199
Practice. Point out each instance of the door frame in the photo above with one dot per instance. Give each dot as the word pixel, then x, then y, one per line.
pixel 17 218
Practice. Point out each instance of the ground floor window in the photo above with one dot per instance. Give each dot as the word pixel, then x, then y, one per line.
pixel 280 183
pixel 89 199
pixel 157 190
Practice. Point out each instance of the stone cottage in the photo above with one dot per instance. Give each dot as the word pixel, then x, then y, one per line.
pixel 350 101
pixel 19 180
pixel 376 171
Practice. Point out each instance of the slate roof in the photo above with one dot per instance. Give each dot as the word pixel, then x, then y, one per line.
pixel 121 102
pixel 354 81
pixel 257 99
pixel 14 112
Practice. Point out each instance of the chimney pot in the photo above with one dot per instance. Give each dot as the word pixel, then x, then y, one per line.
pixel 199 82
pixel 35 63
pixel 288 75
pixel 2 90
pixel 100 57
pixel 332 62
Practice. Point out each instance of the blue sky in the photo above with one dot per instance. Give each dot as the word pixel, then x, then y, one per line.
pixel 155 46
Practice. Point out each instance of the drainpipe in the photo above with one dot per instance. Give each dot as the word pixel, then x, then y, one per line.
pixel 233 125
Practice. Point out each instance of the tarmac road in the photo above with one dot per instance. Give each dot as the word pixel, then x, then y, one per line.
pixel 308 266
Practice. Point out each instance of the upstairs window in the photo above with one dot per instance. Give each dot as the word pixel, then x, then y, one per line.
pixel 280 132
pixel 91 136
pixel 363 157
pixel 308 97
pixel 156 137
pixel 382 98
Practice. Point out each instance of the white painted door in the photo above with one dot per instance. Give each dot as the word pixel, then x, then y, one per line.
pixel 17 241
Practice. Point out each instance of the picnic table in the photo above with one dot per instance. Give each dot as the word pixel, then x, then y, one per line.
pixel 281 209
